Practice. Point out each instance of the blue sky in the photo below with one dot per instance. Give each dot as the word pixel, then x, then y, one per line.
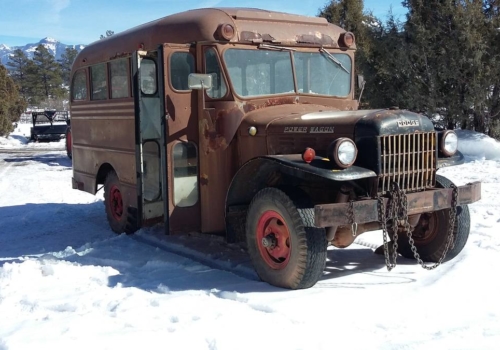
pixel 83 21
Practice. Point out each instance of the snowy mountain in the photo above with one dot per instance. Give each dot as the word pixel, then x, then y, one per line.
pixel 53 46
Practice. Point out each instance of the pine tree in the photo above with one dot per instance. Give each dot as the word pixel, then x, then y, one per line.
pixel 66 61
pixel 446 48
pixel 11 104
pixel 349 15
pixel 491 10
pixel 47 75
pixel 19 65
pixel 108 33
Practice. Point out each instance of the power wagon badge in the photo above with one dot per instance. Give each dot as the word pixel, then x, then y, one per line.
pixel 311 130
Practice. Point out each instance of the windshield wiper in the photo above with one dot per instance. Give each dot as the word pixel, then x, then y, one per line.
pixel 274 47
pixel 334 59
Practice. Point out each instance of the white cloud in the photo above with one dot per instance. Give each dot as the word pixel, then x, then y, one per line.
pixel 58 5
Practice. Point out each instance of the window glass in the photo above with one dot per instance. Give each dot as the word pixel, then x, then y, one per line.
pixel 79 88
pixel 185 174
pixel 317 73
pixel 181 65
pixel 260 72
pixel 212 67
pixel 99 82
pixel 119 78
pixel 148 76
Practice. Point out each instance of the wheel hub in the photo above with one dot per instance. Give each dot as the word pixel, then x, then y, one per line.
pixel 273 240
pixel 116 202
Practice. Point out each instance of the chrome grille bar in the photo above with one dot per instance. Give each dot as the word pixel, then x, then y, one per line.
pixel 409 160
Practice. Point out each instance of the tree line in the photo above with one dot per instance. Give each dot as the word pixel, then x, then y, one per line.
pixel 41 81
pixel 442 60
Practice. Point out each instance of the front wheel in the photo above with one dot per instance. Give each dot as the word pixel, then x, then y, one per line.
pixel 431 233
pixel 284 253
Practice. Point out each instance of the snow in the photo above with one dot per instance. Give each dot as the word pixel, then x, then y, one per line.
pixel 67 281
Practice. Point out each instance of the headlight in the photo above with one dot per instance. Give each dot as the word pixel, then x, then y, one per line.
pixel 449 143
pixel 343 152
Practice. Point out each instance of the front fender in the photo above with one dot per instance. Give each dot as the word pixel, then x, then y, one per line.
pixel 257 174
pixel 456 159
pixel 265 171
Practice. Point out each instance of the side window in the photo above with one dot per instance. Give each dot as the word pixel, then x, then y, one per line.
pixel 79 86
pixel 185 156
pixel 148 76
pixel 181 65
pixel 99 82
pixel 212 67
pixel 118 73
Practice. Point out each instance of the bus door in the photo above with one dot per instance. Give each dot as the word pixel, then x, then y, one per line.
pixel 181 106
pixel 150 137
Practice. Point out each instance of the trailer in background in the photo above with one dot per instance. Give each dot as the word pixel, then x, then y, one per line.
pixel 49 125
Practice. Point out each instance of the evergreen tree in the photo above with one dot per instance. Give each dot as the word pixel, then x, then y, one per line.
pixel 11 104
pixel 47 75
pixel 19 65
pixel 66 61
pixel 349 15
pixel 446 48
pixel 491 10
pixel 108 33
pixel 389 66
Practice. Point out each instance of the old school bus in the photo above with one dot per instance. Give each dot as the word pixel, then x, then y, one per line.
pixel 245 122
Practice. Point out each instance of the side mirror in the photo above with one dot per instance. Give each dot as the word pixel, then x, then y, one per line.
pixel 199 81
pixel 361 81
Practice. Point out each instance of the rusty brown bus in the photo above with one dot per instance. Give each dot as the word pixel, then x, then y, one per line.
pixel 245 122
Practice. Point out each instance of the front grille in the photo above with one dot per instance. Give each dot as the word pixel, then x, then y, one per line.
pixel 409 160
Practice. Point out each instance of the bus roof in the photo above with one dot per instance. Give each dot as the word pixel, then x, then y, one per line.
pixel 202 25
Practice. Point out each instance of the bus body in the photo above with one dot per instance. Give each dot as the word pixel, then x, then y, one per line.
pixel 245 121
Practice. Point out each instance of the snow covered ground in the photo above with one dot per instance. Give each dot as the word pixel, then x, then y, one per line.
pixel 68 282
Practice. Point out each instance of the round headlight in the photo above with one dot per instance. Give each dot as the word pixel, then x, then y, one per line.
pixel 449 143
pixel 343 152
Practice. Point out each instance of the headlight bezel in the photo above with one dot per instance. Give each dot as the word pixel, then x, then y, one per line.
pixel 335 148
pixel 443 144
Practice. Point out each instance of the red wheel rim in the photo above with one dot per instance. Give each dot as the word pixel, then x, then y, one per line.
pixel 273 227
pixel 116 202
pixel 68 142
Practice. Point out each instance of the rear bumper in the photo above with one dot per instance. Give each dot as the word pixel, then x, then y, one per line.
pixel 335 214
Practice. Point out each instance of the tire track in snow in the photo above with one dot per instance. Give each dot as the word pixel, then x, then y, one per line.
pixel 240 268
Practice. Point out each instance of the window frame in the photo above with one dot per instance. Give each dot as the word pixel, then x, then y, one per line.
pixel 128 75
pixel 106 76
pixel 85 71
pixel 173 177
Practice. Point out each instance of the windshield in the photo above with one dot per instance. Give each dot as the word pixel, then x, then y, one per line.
pixel 268 72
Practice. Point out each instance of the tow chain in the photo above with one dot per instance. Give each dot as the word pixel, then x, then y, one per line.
pixel 398 213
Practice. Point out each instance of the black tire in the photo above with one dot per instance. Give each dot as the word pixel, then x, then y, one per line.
pixel 115 203
pixel 432 244
pixel 69 144
pixel 304 261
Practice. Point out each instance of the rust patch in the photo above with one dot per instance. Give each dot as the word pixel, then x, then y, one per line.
pixel 249 107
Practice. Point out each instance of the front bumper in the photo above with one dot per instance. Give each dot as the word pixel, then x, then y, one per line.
pixel 335 214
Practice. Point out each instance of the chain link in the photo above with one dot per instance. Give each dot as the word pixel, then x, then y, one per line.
pixel 352 221
pixel 398 213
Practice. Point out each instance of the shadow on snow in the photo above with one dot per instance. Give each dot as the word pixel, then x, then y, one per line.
pixel 150 260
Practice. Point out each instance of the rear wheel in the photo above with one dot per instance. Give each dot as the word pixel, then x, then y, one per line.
pixel 284 252
pixel 115 203
pixel 431 233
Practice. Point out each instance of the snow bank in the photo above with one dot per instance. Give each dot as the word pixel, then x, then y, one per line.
pixel 20 139
pixel 478 146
